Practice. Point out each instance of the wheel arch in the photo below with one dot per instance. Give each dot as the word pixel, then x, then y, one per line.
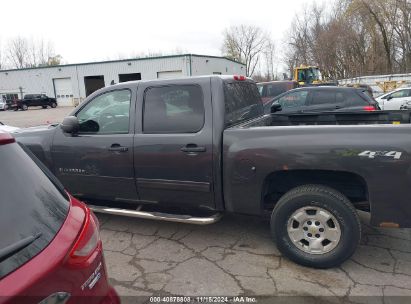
pixel 351 184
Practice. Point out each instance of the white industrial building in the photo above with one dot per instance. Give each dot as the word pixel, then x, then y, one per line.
pixel 71 83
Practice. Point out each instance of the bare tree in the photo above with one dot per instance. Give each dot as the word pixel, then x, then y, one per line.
pixel 17 52
pixel 269 58
pixel 245 43
pixel 353 38
pixel 24 53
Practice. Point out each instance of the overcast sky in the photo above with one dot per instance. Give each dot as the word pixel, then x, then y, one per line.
pixel 85 30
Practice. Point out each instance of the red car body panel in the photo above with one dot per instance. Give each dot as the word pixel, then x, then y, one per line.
pixel 51 271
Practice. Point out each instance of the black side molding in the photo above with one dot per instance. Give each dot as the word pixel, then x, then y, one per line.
pixel 176 185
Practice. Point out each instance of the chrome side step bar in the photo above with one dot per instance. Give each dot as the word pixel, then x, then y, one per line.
pixel 178 218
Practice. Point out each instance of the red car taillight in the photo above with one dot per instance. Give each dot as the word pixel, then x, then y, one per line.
pixel 239 77
pixel 87 241
pixel 369 108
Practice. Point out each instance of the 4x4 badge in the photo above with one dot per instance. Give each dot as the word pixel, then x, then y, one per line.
pixel 374 154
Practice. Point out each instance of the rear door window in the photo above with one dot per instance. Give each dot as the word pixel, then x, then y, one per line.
pixel 32 206
pixel 173 109
pixel 321 97
pixel 242 102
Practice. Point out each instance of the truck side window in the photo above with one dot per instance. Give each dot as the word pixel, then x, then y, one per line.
pixel 108 113
pixel 173 109
pixel 242 102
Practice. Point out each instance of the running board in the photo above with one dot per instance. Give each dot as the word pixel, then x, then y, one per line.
pixel 178 218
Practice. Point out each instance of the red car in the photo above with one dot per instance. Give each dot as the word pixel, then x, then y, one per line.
pixel 50 248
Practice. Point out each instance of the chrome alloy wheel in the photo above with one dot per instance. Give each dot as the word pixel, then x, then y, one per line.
pixel 314 230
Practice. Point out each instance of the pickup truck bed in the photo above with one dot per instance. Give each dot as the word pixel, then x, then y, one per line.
pixel 366 156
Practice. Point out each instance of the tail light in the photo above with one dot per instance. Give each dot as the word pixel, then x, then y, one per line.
pixel 369 108
pixel 6 138
pixel 239 77
pixel 87 241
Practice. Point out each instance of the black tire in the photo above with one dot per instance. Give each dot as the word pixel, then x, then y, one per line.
pixel 53 105
pixel 316 196
pixel 24 107
pixel 44 107
pixel 16 109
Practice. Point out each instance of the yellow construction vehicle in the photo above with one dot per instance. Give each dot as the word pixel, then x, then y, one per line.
pixel 309 75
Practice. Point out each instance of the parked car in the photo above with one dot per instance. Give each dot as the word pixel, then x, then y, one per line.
pixel 395 99
pixel 322 99
pixel 271 89
pixel 33 100
pixel 8 129
pixel 191 149
pixel 6 99
pixel 50 248
pixel 3 105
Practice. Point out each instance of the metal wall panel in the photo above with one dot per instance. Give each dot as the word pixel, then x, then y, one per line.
pixel 40 80
pixel 209 65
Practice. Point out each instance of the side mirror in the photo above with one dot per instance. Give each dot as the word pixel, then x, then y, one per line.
pixel 275 107
pixel 70 124
pixel 389 98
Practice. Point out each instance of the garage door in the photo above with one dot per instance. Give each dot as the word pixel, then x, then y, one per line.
pixel 170 74
pixel 64 91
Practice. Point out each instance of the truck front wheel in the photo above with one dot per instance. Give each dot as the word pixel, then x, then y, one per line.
pixel 315 226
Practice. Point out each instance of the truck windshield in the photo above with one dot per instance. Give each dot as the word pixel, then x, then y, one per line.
pixel 32 210
pixel 242 102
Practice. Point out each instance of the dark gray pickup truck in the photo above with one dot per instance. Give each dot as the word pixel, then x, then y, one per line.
pixel 191 149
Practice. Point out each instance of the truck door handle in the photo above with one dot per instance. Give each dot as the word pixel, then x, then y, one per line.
pixel 193 148
pixel 117 148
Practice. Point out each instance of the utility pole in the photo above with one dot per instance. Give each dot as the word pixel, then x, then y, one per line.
pixel 21 92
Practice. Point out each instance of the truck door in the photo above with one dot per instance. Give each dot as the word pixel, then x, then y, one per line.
pixel 173 143
pixel 97 163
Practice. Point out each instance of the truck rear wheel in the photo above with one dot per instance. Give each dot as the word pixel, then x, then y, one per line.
pixel 316 226
pixel 24 107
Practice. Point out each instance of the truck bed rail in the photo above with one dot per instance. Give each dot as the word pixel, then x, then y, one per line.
pixel 341 118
